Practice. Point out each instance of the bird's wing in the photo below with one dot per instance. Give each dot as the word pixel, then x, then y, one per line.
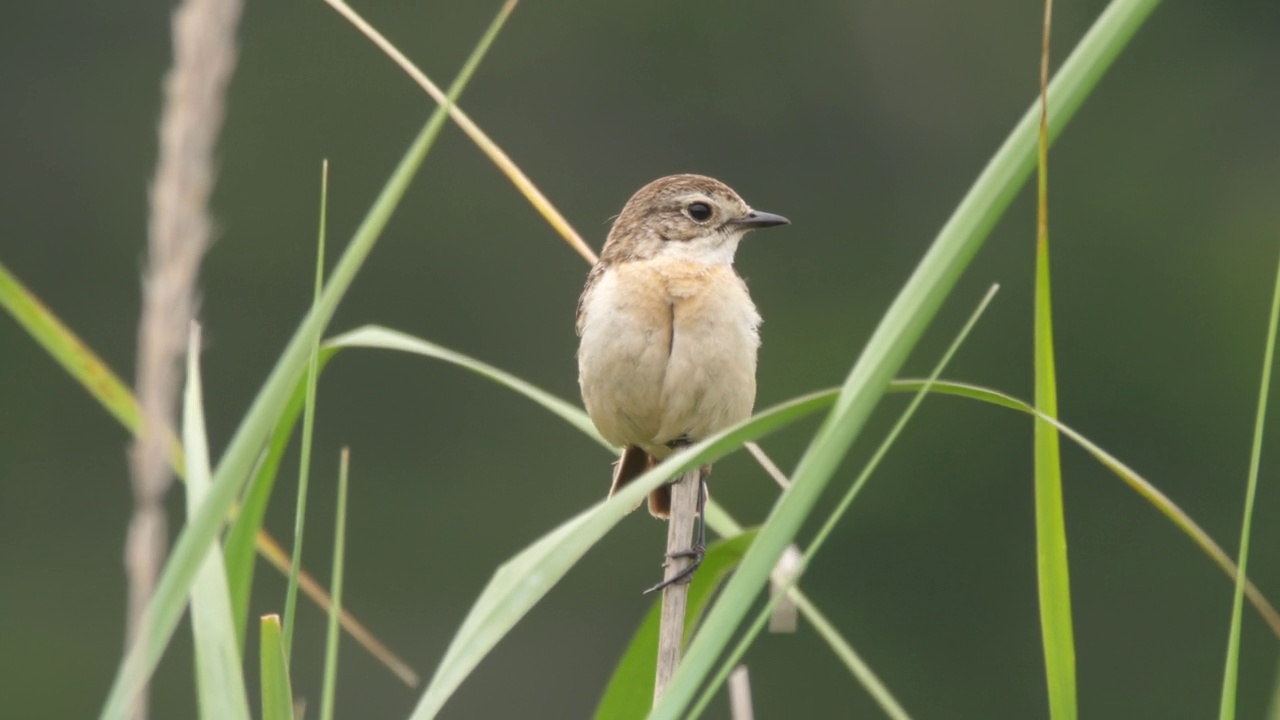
pixel 593 277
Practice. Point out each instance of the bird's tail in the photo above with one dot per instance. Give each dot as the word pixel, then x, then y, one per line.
pixel 633 463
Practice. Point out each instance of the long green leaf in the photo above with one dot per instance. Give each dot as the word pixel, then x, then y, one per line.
pixel 372 336
pixel 329 690
pixel 523 580
pixel 246 539
pixel 897 333
pixel 1052 569
pixel 630 689
pixel 308 429
pixel 219 684
pixel 1128 475
pixel 1051 531
pixel 277 692
pixel 78 359
pixel 1227 707
pixel 233 470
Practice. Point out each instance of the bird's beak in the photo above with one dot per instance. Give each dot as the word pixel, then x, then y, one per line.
pixel 761 219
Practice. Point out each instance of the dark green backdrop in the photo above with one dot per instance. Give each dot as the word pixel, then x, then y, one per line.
pixel 864 122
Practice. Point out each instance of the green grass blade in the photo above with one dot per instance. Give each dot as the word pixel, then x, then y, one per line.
pixel 630 689
pixel 1128 475
pixel 1052 569
pixel 335 591
pixel 868 678
pixel 901 326
pixel 277 692
pixel 372 336
pixel 308 429
pixel 80 361
pixel 219 684
pixel 523 580
pixel 246 539
pixel 1051 531
pixel 239 547
pixel 1227 707
pixel 233 470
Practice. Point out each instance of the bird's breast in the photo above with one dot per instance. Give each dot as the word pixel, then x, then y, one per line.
pixel 668 349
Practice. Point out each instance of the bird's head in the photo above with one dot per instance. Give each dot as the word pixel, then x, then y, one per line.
pixel 686 217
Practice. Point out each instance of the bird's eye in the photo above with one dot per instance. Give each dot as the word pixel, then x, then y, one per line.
pixel 699 211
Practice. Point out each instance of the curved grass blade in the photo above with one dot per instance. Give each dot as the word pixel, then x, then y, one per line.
pixel 1128 475
pixel 630 689
pixel 233 470
pixel 219 684
pixel 523 580
pixel 1227 707
pixel 373 336
pixel 895 336
pixel 277 692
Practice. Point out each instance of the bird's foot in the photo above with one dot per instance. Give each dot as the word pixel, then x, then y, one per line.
pixel 697 553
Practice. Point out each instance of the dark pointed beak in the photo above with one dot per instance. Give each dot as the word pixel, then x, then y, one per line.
pixel 761 219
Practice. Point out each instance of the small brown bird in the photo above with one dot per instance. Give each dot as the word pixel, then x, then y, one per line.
pixel 668 331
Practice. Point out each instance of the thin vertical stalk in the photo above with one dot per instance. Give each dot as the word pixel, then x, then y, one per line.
pixel 308 428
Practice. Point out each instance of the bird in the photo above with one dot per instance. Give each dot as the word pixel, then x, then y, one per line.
pixel 668 334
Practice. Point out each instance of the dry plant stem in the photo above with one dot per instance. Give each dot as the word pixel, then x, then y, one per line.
pixel 675 597
pixel 473 131
pixel 740 707
pixel 769 466
pixel 281 561
pixel 179 230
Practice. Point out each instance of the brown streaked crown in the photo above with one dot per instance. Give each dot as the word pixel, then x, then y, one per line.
pixel 660 213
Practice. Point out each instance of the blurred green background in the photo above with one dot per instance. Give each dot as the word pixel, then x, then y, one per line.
pixel 864 122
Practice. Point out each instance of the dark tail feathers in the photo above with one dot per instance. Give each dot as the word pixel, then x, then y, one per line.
pixel 633 463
